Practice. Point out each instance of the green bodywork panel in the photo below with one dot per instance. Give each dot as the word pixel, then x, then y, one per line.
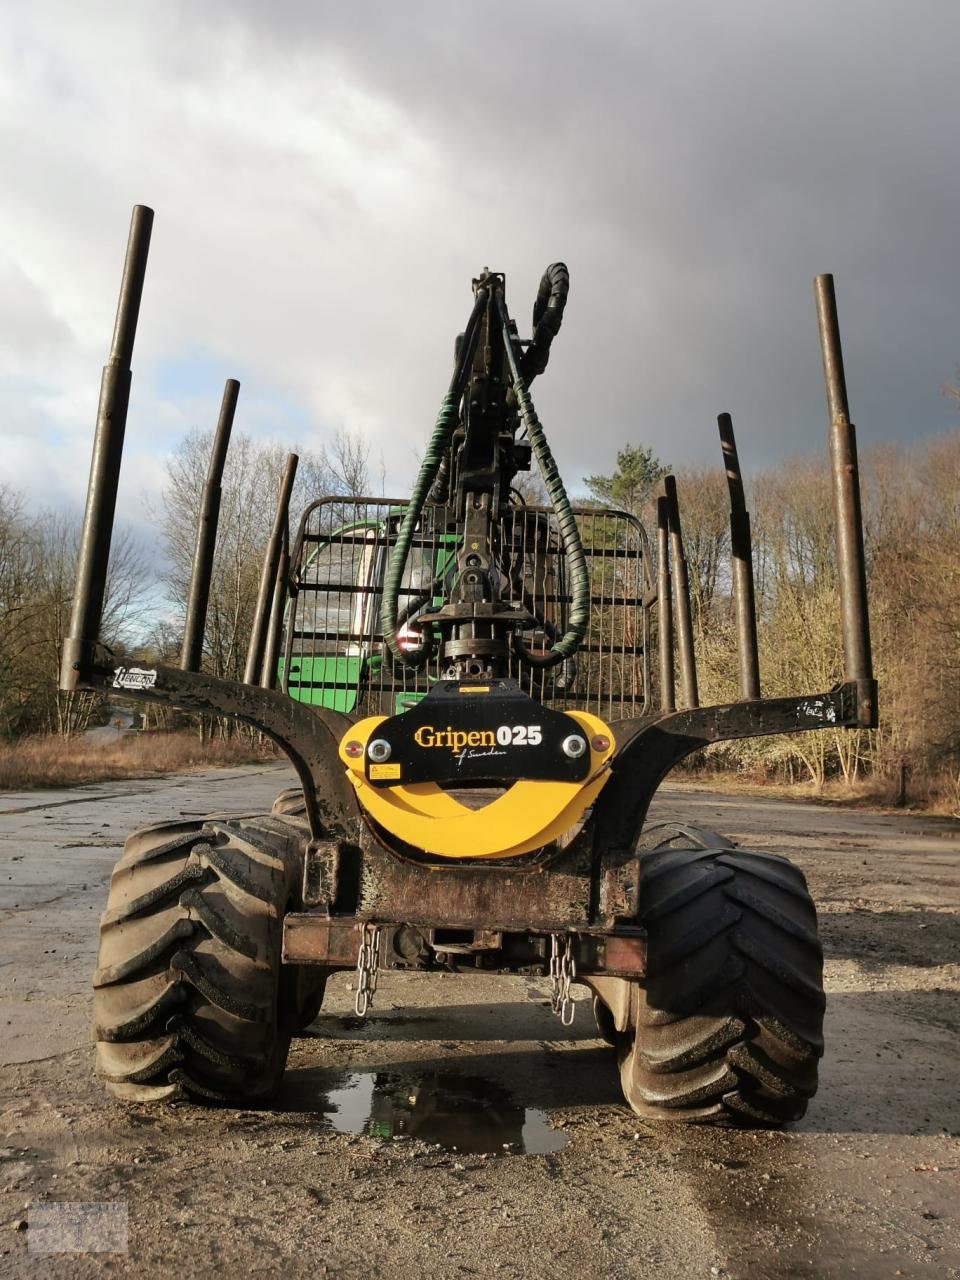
pixel 337 683
pixel 325 682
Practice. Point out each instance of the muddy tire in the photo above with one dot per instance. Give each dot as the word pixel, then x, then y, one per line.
pixel 190 996
pixel 606 1028
pixel 290 804
pixel 728 1024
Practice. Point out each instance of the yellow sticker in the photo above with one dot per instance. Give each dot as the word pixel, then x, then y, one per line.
pixel 475 688
pixel 381 772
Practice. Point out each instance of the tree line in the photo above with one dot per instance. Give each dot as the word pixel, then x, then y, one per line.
pixel 38 559
pixel 911 504
pixel 911 512
pixel 146 591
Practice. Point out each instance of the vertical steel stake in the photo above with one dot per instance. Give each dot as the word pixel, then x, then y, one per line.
pixel 268 673
pixel 199 595
pixel 741 548
pixel 851 567
pixel 268 575
pixel 665 607
pixel 91 581
pixel 685 649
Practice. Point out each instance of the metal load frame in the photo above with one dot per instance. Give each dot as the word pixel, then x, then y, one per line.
pixel 587 884
pixel 335 585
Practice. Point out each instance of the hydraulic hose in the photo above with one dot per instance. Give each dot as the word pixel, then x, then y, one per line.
pixel 579 616
pixel 547 317
pixel 429 468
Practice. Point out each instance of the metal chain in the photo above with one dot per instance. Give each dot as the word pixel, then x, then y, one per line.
pixel 563 972
pixel 367 959
pixel 555 972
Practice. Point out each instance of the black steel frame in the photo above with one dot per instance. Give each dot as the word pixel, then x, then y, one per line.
pixel 620 603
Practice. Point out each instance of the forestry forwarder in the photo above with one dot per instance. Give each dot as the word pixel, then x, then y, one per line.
pixel 531 690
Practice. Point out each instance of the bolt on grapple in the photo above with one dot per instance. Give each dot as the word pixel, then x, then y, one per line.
pixel 464 683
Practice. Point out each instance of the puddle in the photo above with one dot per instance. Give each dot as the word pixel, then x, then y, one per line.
pixel 460 1113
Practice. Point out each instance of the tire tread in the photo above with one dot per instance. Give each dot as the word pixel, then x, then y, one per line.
pixel 187 981
pixel 730 1016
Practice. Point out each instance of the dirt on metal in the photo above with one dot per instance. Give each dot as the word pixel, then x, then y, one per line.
pixel 460 1130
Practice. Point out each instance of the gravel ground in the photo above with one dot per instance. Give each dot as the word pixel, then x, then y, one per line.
pixel 867 1185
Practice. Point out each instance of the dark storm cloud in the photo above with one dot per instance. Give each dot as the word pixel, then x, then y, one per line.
pixel 328 177
pixel 696 165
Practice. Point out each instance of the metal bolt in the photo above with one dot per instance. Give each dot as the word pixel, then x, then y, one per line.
pixel 379 750
pixel 574 746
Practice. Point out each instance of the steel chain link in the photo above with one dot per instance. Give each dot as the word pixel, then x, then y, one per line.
pixel 563 972
pixel 367 959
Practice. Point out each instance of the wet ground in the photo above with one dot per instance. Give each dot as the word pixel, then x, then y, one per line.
pixel 445 1109
pixel 460 1130
pixel 119 722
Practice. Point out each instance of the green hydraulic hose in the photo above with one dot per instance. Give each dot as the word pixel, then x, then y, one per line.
pixel 393 576
pixel 439 441
pixel 429 467
pixel 579 616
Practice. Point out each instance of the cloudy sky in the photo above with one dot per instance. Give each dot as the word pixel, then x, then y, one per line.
pixel 327 177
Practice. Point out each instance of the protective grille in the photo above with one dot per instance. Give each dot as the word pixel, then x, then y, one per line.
pixel 334 654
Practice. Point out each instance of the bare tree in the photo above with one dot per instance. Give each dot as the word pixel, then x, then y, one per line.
pixel 246 514
pixel 346 464
pixel 38 555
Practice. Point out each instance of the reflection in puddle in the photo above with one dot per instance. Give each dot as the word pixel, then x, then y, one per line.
pixel 457 1112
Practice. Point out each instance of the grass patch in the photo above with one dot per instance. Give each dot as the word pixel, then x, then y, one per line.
pixel 51 761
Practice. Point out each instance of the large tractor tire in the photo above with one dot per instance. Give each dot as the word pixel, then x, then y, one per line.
pixel 728 1024
pixel 606 1026
pixel 290 804
pixel 190 997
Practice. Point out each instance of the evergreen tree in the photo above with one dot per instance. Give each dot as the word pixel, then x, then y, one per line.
pixel 627 488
